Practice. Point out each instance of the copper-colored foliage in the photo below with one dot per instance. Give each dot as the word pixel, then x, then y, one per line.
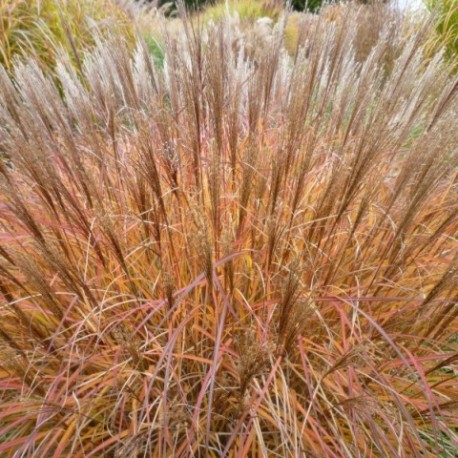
pixel 242 252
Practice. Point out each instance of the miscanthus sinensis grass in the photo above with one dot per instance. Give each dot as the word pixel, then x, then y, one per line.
pixel 240 253
pixel 41 27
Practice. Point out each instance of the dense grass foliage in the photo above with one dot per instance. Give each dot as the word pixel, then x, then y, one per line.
pixel 42 27
pixel 238 252
pixel 446 27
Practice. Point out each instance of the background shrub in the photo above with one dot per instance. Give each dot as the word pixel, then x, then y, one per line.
pixel 299 5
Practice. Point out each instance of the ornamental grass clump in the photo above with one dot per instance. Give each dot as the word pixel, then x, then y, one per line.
pixel 237 253
pixel 42 27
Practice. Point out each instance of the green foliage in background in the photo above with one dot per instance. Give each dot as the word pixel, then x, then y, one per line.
pixel 246 9
pixel 312 5
pixel 446 26
pixel 299 5
pixel 41 27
